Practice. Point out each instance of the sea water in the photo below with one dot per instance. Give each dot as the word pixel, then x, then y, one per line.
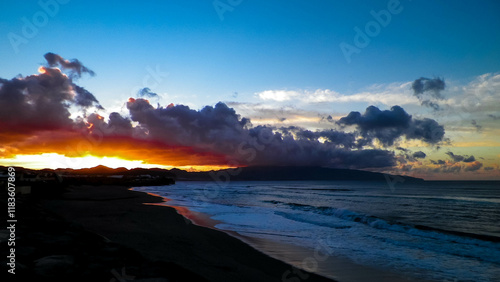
pixel 442 231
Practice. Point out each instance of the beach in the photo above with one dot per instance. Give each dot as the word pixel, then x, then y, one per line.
pixel 160 234
pixel 355 230
pixel 118 233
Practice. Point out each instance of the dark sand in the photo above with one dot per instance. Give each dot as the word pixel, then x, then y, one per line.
pixel 318 260
pixel 160 233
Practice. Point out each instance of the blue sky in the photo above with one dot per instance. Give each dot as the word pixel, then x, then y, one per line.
pixel 259 45
pixel 277 62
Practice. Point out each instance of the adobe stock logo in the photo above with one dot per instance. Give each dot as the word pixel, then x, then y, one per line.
pixel 362 38
pixel 30 28
pixel 221 7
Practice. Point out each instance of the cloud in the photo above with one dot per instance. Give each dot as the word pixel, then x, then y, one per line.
pixel 146 92
pixel 476 125
pixel 480 97
pixel 386 94
pixel 419 155
pixel 84 98
pixel 41 102
pixel 473 166
pixel 458 164
pixel 267 114
pixel 438 162
pixel 278 95
pixel 459 158
pixel 390 125
pixel 35 117
pixel 451 168
pixel 221 130
pixel 428 91
pixel 478 100
pixel 435 86
pixel 75 66
pixel 339 138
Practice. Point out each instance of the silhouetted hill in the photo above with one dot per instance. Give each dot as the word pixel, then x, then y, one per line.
pixel 309 173
pixel 241 174
pixel 287 173
pixel 106 171
pixel 100 169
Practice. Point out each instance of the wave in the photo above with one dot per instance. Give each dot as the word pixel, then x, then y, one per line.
pixel 301 189
pixel 379 223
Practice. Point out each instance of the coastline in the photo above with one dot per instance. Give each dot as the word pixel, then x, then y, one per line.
pixel 160 233
pixel 330 266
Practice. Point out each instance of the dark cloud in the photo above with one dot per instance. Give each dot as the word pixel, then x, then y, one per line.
pixel 328 118
pixel 220 130
pixel 119 122
pixel 476 125
pixel 388 126
pixel 459 163
pixel 456 158
pixel 427 130
pixel 428 91
pixel 419 155
pixel 339 138
pixel 434 85
pixel 438 162
pixel 434 105
pixel 494 116
pixel 41 102
pixel 469 159
pixel 146 92
pixel 75 66
pixel 85 99
pixel 459 158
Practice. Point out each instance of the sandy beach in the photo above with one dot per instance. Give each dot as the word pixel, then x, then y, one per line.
pixel 160 234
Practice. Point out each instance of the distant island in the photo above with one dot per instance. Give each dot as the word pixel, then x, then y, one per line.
pixel 53 181
pixel 290 173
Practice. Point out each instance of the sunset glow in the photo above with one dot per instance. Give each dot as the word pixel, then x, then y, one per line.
pixel 54 161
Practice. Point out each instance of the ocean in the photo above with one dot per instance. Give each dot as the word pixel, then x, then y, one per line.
pixel 436 231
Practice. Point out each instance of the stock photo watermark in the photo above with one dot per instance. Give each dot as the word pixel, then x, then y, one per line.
pixel 321 253
pixel 11 219
pixel 152 79
pixel 31 26
pixel 223 6
pixel 363 36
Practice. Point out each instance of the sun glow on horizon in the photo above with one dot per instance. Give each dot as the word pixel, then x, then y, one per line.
pixel 55 161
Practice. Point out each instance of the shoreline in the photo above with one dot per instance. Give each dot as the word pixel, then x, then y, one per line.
pixel 330 266
pixel 159 233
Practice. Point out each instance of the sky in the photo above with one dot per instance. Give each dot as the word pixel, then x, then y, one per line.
pixel 404 87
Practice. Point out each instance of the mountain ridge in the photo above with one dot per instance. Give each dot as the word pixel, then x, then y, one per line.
pixel 260 173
